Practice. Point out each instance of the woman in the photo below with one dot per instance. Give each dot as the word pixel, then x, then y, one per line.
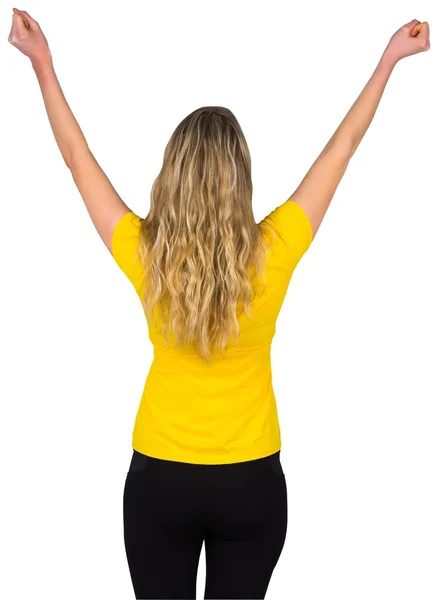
pixel 206 443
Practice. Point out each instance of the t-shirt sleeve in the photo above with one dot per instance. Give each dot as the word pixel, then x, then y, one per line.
pixel 293 229
pixel 124 247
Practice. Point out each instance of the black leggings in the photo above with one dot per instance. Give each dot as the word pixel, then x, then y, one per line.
pixel 170 509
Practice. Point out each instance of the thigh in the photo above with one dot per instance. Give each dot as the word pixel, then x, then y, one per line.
pixel 249 532
pixel 162 535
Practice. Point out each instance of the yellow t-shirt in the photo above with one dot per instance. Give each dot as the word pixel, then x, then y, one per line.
pixel 224 412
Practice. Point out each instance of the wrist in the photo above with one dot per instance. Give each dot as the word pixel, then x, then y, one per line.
pixel 388 59
pixel 42 62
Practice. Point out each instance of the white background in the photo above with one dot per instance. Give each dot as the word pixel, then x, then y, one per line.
pixel 355 354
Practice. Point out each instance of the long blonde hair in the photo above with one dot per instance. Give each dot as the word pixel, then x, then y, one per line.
pixel 200 246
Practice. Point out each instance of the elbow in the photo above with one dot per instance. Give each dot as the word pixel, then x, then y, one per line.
pixel 73 156
pixel 67 155
pixel 68 161
pixel 344 149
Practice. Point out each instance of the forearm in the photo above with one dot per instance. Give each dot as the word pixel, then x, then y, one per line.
pixel 68 134
pixel 352 129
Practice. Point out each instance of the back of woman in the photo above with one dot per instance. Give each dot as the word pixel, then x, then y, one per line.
pixel 222 410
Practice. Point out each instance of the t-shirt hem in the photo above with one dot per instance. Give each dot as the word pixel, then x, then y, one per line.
pixel 204 458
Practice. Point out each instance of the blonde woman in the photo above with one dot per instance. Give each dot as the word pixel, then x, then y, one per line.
pixel 206 443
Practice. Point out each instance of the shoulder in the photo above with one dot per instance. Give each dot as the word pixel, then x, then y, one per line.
pixel 292 228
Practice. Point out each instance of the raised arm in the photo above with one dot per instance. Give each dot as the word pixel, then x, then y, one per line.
pixel 316 190
pixel 104 205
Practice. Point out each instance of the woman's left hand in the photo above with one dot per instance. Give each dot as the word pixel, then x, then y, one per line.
pixel 27 36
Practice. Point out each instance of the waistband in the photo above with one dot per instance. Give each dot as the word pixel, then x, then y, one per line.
pixel 139 460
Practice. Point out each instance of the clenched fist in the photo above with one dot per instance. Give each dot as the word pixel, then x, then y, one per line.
pixel 26 35
pixel 411 38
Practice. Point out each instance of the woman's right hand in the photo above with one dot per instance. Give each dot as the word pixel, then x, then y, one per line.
pixel 411 38
pixel 27 36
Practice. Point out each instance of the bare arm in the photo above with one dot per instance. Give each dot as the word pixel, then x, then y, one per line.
pixel 317 189
pixel 103 203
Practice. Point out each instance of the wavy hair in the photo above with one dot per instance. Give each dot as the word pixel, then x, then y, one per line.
pixel 200 247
